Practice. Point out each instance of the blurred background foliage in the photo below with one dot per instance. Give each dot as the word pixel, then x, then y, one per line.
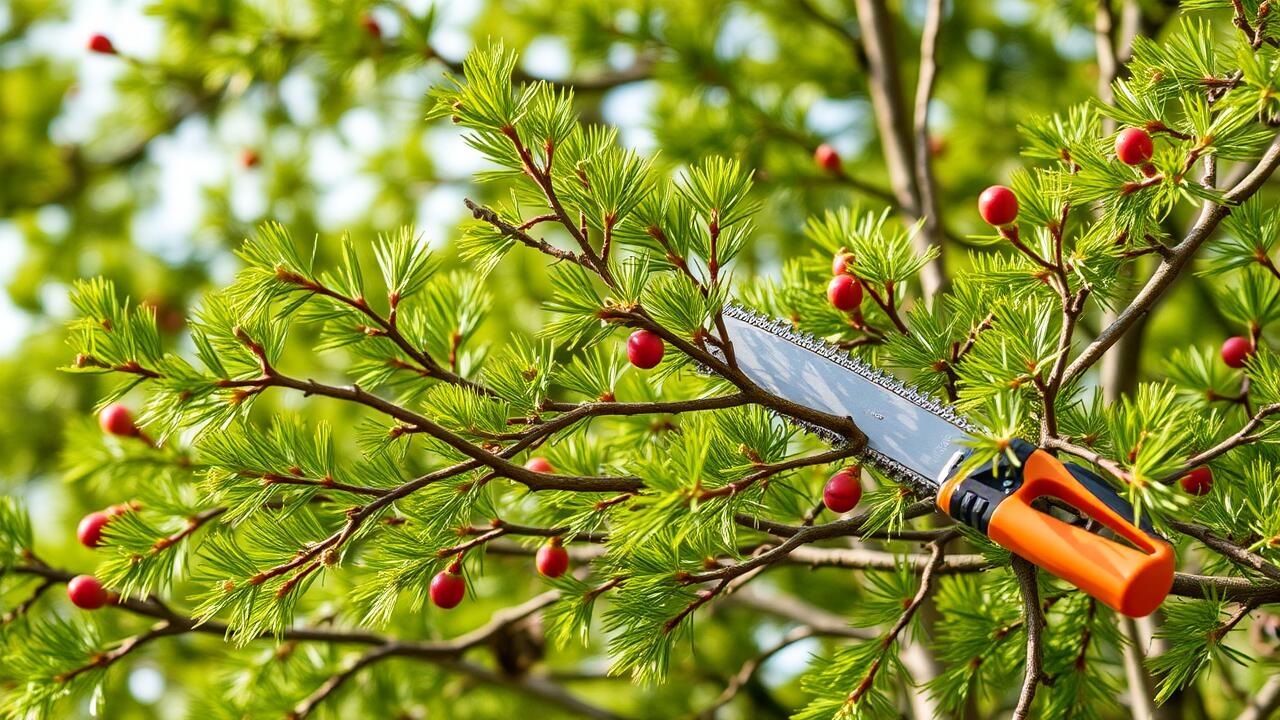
pixel 149 167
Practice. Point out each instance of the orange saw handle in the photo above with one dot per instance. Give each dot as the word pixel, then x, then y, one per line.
pixel 1130 578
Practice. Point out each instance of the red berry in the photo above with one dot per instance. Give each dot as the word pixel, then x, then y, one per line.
pixel 1133 146
pixel 998 205
pixel 116 420
pixel 644 349
pixel 552 559
pixel 827 158
pixel 840 264
pixel 1236 350
pixel 86 592
pixel 250 158
pixel 100 43
pixel 371 26
pixel 1198 482
pixel 539 465
pixel 448 587
pixel 844 292
pixel 90 530
pixel 843 491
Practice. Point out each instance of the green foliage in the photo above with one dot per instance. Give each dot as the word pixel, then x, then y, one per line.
pixel 1195 626
pixel 15 532
pixel 42 657
pixel 981 645
pixel 346 417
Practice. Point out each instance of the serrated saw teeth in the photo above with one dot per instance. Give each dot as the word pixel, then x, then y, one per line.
pixel 832 353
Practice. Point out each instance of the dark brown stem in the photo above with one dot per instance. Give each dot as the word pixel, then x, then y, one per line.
pixel 326 482
pixel 194 523
pixel 1233 552
pixel 926 586
pixel 888 305
pixel 737 486
pixel 387 329
pixel 518 233
pixel 25 606
pixel 542 178
pixel 1111 466
pixel 1243 436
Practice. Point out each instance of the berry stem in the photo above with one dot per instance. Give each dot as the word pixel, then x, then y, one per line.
pixel 1010 233
pixel 888 305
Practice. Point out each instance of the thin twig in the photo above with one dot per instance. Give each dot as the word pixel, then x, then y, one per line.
pixel 750 667
pixel 937 549
pixel 1243 436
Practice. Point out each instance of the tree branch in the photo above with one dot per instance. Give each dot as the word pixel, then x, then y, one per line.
pixel 1210 216
pixel 926 586
pixel 935 272
pixel 437 652
pixel 517 233
pixel 1227 549
pixel 1033 619
pixel 1141 703
pixel 1240 437
pixel 1265 702
pixel 865 559
pixel 804 536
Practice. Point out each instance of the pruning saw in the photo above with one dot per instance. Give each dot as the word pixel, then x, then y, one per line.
pixel 918 441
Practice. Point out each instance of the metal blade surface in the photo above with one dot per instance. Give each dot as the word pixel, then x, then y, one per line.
pixel 910 436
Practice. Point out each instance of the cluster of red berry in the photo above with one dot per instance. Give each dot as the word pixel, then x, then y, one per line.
pixel 998 207
pixel 85 591
pixel 845 289
pixel 448 586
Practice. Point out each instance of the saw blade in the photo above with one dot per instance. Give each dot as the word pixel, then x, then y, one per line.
pixel 911 436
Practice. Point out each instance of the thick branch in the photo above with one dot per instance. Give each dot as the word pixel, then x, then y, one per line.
pixel 1033 619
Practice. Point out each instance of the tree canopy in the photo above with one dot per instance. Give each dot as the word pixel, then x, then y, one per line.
pixel 354 290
